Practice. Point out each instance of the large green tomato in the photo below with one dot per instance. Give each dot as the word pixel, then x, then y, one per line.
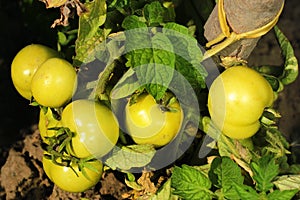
pixel 95 126
pixel 237 99
pixel 54 83
pixel 47 121
pixel 147 123
pixel 66 179
pixel 25 64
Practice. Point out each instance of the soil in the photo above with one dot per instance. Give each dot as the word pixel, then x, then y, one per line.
pixel 22 176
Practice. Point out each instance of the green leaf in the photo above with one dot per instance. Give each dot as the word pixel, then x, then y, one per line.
pixel 154 13
pixel 282 195
pixel 62 38
pixel 245 192
pixel 89 33
pixel 188 54
pixel 209 128
pixel 126 86
pixel 277 144
pixel 223 174
pixel 153 58
pixel 288 182
pixel 130 156
pixel 231 147
pixel 132 22
pixel 264 171
pixel 165 192
pixel 190 183
pixel 290 72
pixel 275 83
pixel 294 169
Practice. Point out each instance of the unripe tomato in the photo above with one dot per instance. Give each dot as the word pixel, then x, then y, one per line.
pixel 47 121
pixel 54 83
pixel 66 179
pixel 95 126
pixel 25 64
pixel 147 123
pixel 237 99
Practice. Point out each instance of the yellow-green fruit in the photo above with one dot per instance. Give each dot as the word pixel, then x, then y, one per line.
pixel 54 83
pixel 147 123
pixel 95 128
pixel 71 178
pixel 25 64
pixel 237 99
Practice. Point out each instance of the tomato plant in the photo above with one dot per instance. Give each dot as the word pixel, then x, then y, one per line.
pixel 148 122
pixel 77 177
pixel 26 63
pixel 237 99
pixel 95 126
pixel 54 83
pixel 132 53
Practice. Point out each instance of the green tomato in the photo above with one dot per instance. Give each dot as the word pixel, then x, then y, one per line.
pixel 147 123
pixel 54 83
pixel 95 126
pixel 66 179
pixel 47 121
pixel 25 64
pixel 237 99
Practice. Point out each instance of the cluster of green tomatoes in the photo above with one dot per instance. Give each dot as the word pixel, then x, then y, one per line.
pixel 76 134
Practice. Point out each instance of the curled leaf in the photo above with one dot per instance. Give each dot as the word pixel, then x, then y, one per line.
pixel 67 9
pixel 290 72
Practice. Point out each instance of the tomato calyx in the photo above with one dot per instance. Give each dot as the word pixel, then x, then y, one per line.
pixel 59 141
pixel 231 61
pixel 165 104
pixel 57 152
pixel 56 112
pixel 71 161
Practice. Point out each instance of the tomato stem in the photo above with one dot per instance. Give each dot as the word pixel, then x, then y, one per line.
pixel 104 78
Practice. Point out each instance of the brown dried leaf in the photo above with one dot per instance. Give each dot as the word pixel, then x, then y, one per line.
pixel 243 165
pixel 67 11
pixel 54 3
pixel 146 183
pixel 148 188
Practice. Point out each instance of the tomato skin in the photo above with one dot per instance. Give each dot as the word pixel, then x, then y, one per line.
pixel 25 64
pixel 147 124
pixel 47 121
pixel 237 99
pixel 66 179
pixel 95 126
pixel 24 93
pixel 54 83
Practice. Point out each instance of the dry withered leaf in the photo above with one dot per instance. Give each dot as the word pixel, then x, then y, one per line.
pixel 67 10
pixel 148 188
pixel 54 3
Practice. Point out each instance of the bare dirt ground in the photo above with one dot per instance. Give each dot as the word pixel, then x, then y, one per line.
pixel 21 174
